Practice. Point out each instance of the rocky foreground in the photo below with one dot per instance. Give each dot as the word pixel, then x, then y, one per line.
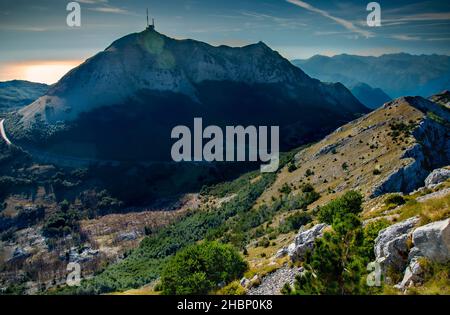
pixel 405 248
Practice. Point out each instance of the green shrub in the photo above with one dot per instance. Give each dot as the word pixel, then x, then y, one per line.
pixel 301 201
pixel 294 222
pixel 371 232
pixel 198 269
pixel 61 224
pixel 396 200
pixel 285 189
pixel 309 173
pixel 234 288
pixel 292 167
pixel 158 287
pixel 15 289
pixel 350 202
pixel 400 130
pixel 307 188
pixel 264 242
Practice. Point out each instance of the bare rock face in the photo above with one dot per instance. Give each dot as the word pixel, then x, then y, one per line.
pixel 391 245
pixel 413 275
pixel 436 177
pixel 304 242
pixel 431 136
pixel 432 241
pixel 408 178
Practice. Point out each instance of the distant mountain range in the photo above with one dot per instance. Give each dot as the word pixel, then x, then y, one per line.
pixel 396 74
pixel 122 103
pixel 16 94
pixel 369 96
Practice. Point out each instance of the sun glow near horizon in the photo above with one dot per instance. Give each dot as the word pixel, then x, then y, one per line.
pixel 38 71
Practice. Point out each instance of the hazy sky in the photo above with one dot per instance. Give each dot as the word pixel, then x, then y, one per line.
pixel 37 44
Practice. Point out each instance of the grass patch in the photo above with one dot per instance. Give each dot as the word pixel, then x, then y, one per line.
pixel 234 288
pixel 437 280
pixel 429 211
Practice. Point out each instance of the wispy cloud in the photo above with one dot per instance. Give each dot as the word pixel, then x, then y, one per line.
pixel 438 39
pixel 328 33
pixel 24 28
pixel 423 17
pixel 279 21
pixel 405 37
pixel 215 30
pixel 345 23
pixel 109 9
pixel 103 6
pixel 93 1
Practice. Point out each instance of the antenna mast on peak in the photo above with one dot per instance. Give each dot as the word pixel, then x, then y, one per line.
pixel 150 27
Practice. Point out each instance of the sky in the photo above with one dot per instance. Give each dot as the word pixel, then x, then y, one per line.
pixel 38 45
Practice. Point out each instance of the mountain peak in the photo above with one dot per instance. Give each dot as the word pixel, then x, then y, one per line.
pixel 150 60
pixel 149 72
pixel 262 44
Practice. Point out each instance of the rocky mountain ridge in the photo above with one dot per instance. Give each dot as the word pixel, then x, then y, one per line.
pixel 147 83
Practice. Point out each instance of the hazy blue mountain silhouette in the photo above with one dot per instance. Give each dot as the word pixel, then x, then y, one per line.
pixel 16 94
pixel 370 97
pixel 396 74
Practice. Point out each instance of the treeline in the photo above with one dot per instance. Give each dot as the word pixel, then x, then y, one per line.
pixel 245 226
pixel 146 262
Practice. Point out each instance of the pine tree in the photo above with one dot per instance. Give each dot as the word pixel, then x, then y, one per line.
pixel 336 265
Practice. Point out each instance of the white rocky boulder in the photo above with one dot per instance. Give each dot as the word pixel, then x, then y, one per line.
pixel 255 281
pixel 391 245
pixel 432 241
pixel 281 253
pixel 304 242
pixel 413 275
pixel 436 177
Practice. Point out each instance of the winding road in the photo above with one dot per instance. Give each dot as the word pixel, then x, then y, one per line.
pixel 3 133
